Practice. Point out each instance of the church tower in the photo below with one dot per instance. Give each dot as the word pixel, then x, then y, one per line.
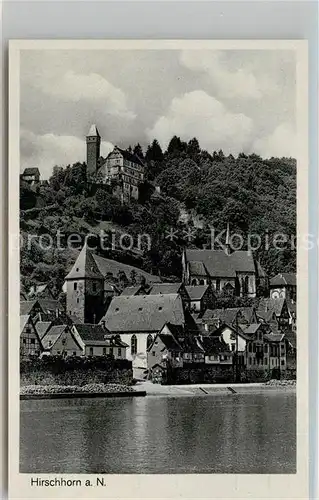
pixel 85 289
pixel 93 142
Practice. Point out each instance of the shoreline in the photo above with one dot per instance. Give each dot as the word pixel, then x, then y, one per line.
pixel 205 390
pixel 147 388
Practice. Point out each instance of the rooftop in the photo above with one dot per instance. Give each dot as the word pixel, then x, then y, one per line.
pixel 143 313
pixel 283 279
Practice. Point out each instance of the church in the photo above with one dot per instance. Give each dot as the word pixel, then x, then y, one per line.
pixel 121 168
pixel 235 272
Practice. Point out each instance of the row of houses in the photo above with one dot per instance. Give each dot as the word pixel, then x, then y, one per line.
pixel 138 321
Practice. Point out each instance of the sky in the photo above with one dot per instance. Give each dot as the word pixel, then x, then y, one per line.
pixel 234 100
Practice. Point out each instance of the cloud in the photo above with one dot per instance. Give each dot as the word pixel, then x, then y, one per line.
pixel 197 114
pixel 281 142
pixel 229 83
pixel 92 88
pixel 46 151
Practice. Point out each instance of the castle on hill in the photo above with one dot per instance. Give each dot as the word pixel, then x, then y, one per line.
pixel 122 168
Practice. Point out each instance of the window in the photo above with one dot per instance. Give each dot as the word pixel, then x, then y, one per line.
pixel 233 347
pixel 91 351
pixel 77 300
pixel 153 353
pixel 266 348
pixel 272 362
pixel 282 362
pixel 75 286
pixel 265 361
pixel 254 348
pixel 218 285
pixel 133 345
pixel 149 341
pixel 249 347
pixel 24 341
pixel 111 351
pixel 201 282
pixel 104 351
pixel 249 360
pixel 32 341
pixel 119 352
pixel 254 361
pixel 59 352
pixel 74 353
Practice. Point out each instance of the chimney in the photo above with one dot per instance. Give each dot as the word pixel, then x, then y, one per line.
pixel 227 240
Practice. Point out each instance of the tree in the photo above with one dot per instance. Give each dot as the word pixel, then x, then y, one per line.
pixel 176 146
pixel 138 151
pixel 154 152
pixel 193 149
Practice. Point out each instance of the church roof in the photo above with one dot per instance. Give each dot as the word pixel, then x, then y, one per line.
pixel 144 313
pixel 85 266
pixel 93 131
pixel 218 263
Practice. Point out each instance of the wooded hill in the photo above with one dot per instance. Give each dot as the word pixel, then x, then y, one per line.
pixel 253 194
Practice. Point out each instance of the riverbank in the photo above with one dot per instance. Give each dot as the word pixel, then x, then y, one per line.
pixel 72 391
pixel 215 389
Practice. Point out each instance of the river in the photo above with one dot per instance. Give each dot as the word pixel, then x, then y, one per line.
pixel 243 433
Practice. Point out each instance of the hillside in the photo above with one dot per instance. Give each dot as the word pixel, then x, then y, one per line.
pixel 252 194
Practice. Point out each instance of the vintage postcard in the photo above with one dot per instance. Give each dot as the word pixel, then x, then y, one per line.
pixel 158 262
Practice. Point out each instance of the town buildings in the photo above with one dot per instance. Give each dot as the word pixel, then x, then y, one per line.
pixel 157 325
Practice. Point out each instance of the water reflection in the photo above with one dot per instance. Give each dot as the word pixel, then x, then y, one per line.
pixel 235 434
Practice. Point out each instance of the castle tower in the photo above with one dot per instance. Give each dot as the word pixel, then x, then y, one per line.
pixel 93 142
pixel 85 289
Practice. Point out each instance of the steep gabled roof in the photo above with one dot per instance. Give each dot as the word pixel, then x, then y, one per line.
pixel 283 279
pixel 31 171
pixel 52 336
pixel 24 318
pixel 42 327
pixel 89 331
pixel 26 306
pixel 93 132
pixel 130 156
pixel 165 288
pixel 196 292
pixel 143 313
pixel 251 329
pixel 107 266
pixel 218 263
pixel 176 330
pixel 170 342
pixel 132 290
pixel 85 266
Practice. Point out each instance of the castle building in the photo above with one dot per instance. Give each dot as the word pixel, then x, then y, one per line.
pixel 124 168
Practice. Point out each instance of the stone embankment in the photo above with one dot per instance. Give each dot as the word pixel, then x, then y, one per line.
pixel 88 390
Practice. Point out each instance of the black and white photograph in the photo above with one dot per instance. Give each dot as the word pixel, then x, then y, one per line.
pixel 158 260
